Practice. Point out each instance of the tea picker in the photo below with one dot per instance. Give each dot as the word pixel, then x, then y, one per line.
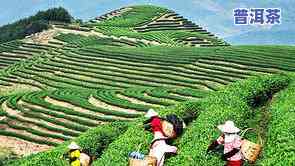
pixel 163 129
pixel 232 144
pixel 235 147
pixel 76 157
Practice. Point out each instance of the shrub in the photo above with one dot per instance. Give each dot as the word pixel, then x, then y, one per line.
pixel 230 103
pixel 234 102
pixel 93 141
pixel 279 148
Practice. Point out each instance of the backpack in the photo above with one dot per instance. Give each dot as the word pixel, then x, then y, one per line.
pixel 177 123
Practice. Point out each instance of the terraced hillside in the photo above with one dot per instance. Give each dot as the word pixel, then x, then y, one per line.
pixel 155 24
pixel 93 84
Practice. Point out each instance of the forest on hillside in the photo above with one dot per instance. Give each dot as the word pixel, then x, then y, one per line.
pixel 33 24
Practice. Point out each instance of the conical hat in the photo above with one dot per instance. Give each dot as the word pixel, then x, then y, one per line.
pixel 228 127
pixel 73 145
pixel 151 112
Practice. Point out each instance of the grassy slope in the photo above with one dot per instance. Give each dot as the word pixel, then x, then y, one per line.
pixel 279 147
pixel 117 152
pixel 204 52
pixel 231 103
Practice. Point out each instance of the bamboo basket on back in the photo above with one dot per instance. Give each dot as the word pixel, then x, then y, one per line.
pixel 251 150
pixel 147 161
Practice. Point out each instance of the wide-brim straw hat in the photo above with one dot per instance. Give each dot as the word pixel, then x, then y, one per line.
pixel 73 146
pixel 151 112
pixel 228 127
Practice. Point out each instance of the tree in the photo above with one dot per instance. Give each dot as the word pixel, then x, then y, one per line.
pixel 33 24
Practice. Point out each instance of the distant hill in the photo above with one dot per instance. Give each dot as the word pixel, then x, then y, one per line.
pixel 155 24
pixel 147 23
pixel 263 38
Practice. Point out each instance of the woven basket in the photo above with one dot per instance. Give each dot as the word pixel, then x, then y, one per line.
pixel 147 161
pixel 136 162
pixel 168 129
pixel 251 150
pixel 151 160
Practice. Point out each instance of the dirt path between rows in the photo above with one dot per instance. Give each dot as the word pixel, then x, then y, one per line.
pixel 145 94
pixel 21 147
pixel 136 101
pixel 18 146
pixel 260 121
pixel 80 109
pixel 95 33
pixel 98 103
pixel 20 102
pixel 9 110
pixel 31 125
pixel 182 96
pixel 62 113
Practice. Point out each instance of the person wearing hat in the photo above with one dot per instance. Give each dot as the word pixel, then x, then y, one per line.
pixel 232 144
pixel 74 154
pixel 159 147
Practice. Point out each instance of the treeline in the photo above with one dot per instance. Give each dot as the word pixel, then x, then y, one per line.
pixel 33 24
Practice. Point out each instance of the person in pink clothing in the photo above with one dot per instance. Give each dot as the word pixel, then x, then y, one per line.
pixel 232 144
pixel 159 147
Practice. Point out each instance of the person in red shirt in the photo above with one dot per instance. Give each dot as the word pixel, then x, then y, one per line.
pixel 232 144
pixel 159 147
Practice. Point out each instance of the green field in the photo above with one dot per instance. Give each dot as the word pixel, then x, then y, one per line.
pixel 93 83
